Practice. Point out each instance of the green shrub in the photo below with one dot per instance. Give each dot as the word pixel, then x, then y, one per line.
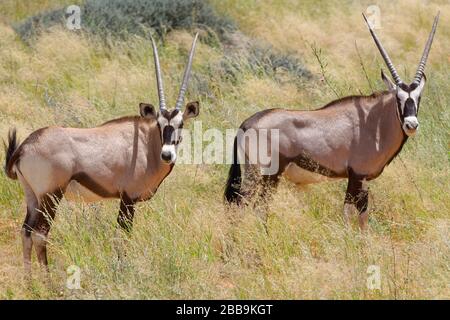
pixel 119 18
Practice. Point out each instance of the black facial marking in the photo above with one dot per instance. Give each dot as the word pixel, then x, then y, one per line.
pixel 169 135
pixel 404 87
pixel 169 114
pixel 399 108
pixel 409 108
pixel 413 86
pixel 174 113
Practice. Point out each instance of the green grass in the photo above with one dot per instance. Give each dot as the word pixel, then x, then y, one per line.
pixel 185 242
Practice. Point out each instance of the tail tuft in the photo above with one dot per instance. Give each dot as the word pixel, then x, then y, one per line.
pixel 234 181
pixel 10 149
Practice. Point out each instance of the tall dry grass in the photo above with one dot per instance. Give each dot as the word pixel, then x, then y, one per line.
pixel 185 243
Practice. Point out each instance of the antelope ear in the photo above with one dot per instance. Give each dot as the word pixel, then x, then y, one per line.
pixel 147 111
pixel 389 84
pixel 192 110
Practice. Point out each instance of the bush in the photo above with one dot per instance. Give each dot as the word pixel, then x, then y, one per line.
pixel 118 18
pixel 264 60
pixel 264 57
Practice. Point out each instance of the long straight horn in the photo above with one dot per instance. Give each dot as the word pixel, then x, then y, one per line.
pixel 426 51
pixel 384 54
pixel 187 73
pixel 162 100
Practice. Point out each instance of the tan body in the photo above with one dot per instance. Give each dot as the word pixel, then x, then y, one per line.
pixel 117 158
pixel 339 136
pixel 352 138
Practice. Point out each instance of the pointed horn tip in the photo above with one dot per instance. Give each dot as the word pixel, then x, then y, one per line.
pixel 367 22
pixel 153 41
pixel 195 38
pixel 365 18
pixel 436 19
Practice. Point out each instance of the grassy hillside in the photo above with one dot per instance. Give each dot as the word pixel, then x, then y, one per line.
pixel 185 243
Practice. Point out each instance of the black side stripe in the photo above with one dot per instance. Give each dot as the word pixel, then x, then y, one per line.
pixel 89 183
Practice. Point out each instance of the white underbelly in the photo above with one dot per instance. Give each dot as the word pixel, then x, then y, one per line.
pixel 76 192
pixel 301 176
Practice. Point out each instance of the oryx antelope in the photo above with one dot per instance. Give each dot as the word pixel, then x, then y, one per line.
pixel 125 158
pixel 354 138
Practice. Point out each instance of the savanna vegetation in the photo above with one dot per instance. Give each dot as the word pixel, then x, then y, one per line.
pixel 252 55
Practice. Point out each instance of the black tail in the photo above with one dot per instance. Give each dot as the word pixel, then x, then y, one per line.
pixel 234 181
pixel 10 157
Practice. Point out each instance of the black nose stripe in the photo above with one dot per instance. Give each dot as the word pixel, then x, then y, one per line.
pixel 168 134
pixel 410 108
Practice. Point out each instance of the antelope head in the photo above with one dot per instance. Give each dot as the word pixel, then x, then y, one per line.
pixel 170 122
pixel 408 95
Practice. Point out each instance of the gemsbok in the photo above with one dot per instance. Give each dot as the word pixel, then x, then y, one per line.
pixel 125 158
pixel 354 138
